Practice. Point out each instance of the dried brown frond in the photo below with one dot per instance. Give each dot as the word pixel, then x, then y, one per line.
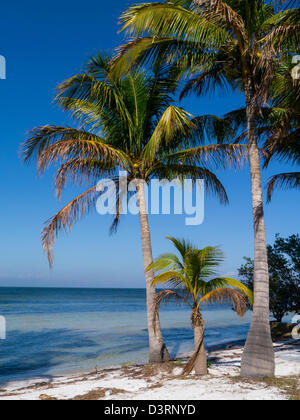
pixel 161 298
pixel 218 9
pixel 72 149
pixel 80 171
pixel 221 295
pixel 284 180
pixel 49 144
pixel 217 155
pixel 271 47
pixel 65 218
pixel 191 362
pixel 280 34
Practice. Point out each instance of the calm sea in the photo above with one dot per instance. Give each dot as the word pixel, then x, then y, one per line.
pixel 56 331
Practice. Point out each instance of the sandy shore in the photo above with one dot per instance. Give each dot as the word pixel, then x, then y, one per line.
pixel 166 382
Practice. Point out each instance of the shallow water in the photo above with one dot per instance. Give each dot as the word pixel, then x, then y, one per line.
pixel 55 331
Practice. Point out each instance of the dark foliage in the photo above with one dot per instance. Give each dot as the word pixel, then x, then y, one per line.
pixel 284 269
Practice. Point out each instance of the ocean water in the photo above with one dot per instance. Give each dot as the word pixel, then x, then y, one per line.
pixel 56 331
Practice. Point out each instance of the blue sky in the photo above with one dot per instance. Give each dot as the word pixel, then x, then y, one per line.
pixel 44 43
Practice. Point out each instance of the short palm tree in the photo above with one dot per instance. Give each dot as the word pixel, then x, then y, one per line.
pixel 128 125
pixel 190 277
pixel 223 45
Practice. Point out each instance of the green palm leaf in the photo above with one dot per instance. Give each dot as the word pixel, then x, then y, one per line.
pixel 174 121
pixel 125 123
pixel 191 273
pixel 166 19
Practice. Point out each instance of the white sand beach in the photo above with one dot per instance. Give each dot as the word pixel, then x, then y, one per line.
pixel 166 382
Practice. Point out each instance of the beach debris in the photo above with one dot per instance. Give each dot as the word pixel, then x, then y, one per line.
pixel 98 394
pixel 45 397
pixel 177 371
pixel 108 393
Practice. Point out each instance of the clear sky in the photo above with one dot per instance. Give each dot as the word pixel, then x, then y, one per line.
pixel 44 43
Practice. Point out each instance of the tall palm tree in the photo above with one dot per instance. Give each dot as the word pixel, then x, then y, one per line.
pixel 128 125
pixel 190 277
pixel 226 44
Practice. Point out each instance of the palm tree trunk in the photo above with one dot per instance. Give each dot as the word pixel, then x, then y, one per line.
pixel 258 357
pixel 201 360
pixel 157 349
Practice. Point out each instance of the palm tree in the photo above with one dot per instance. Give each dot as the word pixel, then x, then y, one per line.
pixel 190 277
pixel 222 45
pixel 128 125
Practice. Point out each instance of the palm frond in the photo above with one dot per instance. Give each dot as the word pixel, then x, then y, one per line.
pixel 90 99
pixel 208 259
pixel 172 171
pixel 287 35
pixel 66 217
pixel 192 360
pixel 174 121
pixel 210 128
pixel 283 144
pixel 181 245
pixel 217 155
pixel 81 171
pixel 166 260
pixel 209 81
pixel 220 12
pixel 222 295
pixel 86 88
pixel 48 144
pixel 284 180
pixel 186 56
pixel 163 297
pixel 166 20
pixel 227 281
pixel 175 279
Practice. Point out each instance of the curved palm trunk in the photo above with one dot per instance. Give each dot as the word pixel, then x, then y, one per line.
pixel 201 360
pixel 157 349
pixel 258 357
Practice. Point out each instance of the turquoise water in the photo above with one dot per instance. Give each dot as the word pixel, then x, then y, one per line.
pixel 55 331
